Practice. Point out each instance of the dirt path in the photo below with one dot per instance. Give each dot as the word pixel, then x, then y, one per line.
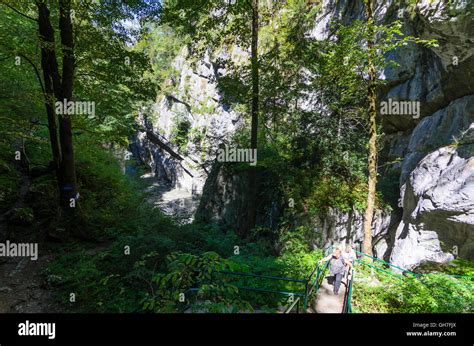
pixel 22 288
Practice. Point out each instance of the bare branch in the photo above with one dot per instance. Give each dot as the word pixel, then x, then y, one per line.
pixel 32 64
pixel 36 72
pixel 15 10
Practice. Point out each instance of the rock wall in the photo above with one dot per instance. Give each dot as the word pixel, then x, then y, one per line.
pixel 195 104
pixel 437 191
pixel 224 200
pixel 436 170
pixel 338 228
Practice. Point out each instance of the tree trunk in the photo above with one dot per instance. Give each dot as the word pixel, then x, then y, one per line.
pixel 372 157
pixel 68 169
pixel 61 88
pixel 252 192
pixel 51 79
pixel 49 104
pixel 48 46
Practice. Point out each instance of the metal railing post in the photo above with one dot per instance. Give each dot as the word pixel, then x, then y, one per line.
pixel 306 295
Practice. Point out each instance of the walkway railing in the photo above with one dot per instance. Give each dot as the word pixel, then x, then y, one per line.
pixel 309 286
pixel 296 297
pixel 282 292
pixel 404 271
pixel 319 272
pixel 391 273
pixel 347 307
pixel 313 282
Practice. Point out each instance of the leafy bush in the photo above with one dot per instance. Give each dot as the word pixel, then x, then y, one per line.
pixel 187 271
pixel 376 291
pixel 10 178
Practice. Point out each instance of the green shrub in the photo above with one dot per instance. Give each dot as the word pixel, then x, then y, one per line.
pixel 376 291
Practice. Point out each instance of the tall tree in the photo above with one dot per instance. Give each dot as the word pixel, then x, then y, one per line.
pixel 372 116
pixel 379 38
pixel 252 193
pixel 62 87
pixel 102 73
pixel 212 26
pixel 47 36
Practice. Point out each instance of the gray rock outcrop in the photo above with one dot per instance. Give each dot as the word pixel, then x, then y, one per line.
pixel 438 205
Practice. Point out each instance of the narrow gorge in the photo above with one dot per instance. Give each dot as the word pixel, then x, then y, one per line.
pixel 430 159
pixel 237 156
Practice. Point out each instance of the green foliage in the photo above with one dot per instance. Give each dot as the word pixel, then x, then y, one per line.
pixel 161 46
pixel 376 291
pixel 435 293
pixel 458 266
pixel 23 216
pixel 166 260
pixel 101 281
pixel 10 178
pixel 312 149
pixel 187 271
pixel 336 193
pixel 107 198
pixel 180 133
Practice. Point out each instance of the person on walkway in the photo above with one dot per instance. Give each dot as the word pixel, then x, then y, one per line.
pixel 337 265
pixel 349 255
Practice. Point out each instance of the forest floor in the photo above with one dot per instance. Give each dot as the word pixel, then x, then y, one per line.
pixel 22 286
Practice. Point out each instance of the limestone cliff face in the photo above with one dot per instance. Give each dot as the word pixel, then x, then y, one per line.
pixel 437 188
pixel 436 171
pixel 433 154
pixel 339 227
pixel 194 110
